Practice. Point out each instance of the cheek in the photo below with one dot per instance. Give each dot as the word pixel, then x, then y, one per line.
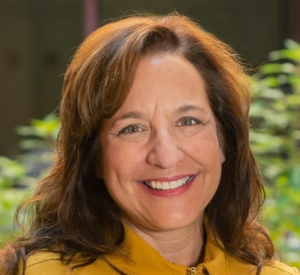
pixel 204 147
pixel 120 160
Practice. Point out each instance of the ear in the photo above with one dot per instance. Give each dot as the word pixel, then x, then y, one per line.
pixel 223 159
pixel 222 156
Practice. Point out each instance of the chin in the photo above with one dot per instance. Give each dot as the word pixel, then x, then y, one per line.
pixel 176 223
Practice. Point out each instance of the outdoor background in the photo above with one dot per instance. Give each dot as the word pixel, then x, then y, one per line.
pixel 39 37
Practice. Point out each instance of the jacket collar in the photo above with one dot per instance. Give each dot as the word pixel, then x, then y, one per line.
pixel 140 258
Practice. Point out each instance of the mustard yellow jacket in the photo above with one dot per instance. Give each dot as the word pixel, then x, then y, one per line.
pixel 144 260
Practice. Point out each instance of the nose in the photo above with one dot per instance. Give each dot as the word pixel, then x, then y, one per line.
pixel 165 151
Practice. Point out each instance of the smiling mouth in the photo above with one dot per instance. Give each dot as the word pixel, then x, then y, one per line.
pixel 167 185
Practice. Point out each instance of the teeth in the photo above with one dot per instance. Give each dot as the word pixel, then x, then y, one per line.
pixel 173 184
pixel 158 185
pixel 166 185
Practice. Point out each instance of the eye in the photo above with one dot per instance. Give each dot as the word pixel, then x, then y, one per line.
pixel 188 121
pixel 130 129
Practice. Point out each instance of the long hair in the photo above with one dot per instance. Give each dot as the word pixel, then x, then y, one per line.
pixel 72 213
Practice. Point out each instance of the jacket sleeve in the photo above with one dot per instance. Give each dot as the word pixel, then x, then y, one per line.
pixel 43 263
pixel 279 268
pixel 49 267
pixel 297 272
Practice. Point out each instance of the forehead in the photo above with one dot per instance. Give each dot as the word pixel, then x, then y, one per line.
pixel 165 80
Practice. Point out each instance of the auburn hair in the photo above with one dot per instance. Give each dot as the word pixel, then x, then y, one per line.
pixel 72 213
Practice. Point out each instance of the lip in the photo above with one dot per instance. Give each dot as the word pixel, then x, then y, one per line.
pixel 170 193
pixel 174 178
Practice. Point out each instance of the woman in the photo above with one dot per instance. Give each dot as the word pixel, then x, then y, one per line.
pixel 154 172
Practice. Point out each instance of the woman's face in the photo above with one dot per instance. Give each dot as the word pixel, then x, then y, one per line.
pixel 161 159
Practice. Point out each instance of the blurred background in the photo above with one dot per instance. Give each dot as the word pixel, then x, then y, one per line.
pixel 39 37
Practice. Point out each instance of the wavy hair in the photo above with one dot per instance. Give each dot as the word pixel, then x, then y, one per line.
pixel 71 211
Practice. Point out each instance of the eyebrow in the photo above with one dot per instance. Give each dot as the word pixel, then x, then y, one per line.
pixel 187 108
pixel 126 115
pixel 138 115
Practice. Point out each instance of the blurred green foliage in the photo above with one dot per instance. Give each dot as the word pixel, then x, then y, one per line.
pixel 18 177
pixel 275 139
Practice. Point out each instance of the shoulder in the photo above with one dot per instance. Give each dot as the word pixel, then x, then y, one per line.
pixel 278 268
pixel 46 263
pixel 238 266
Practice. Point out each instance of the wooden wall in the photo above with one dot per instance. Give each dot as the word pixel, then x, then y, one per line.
pixel 39 37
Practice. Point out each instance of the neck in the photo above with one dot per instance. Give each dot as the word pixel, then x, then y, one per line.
pixel 184 246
